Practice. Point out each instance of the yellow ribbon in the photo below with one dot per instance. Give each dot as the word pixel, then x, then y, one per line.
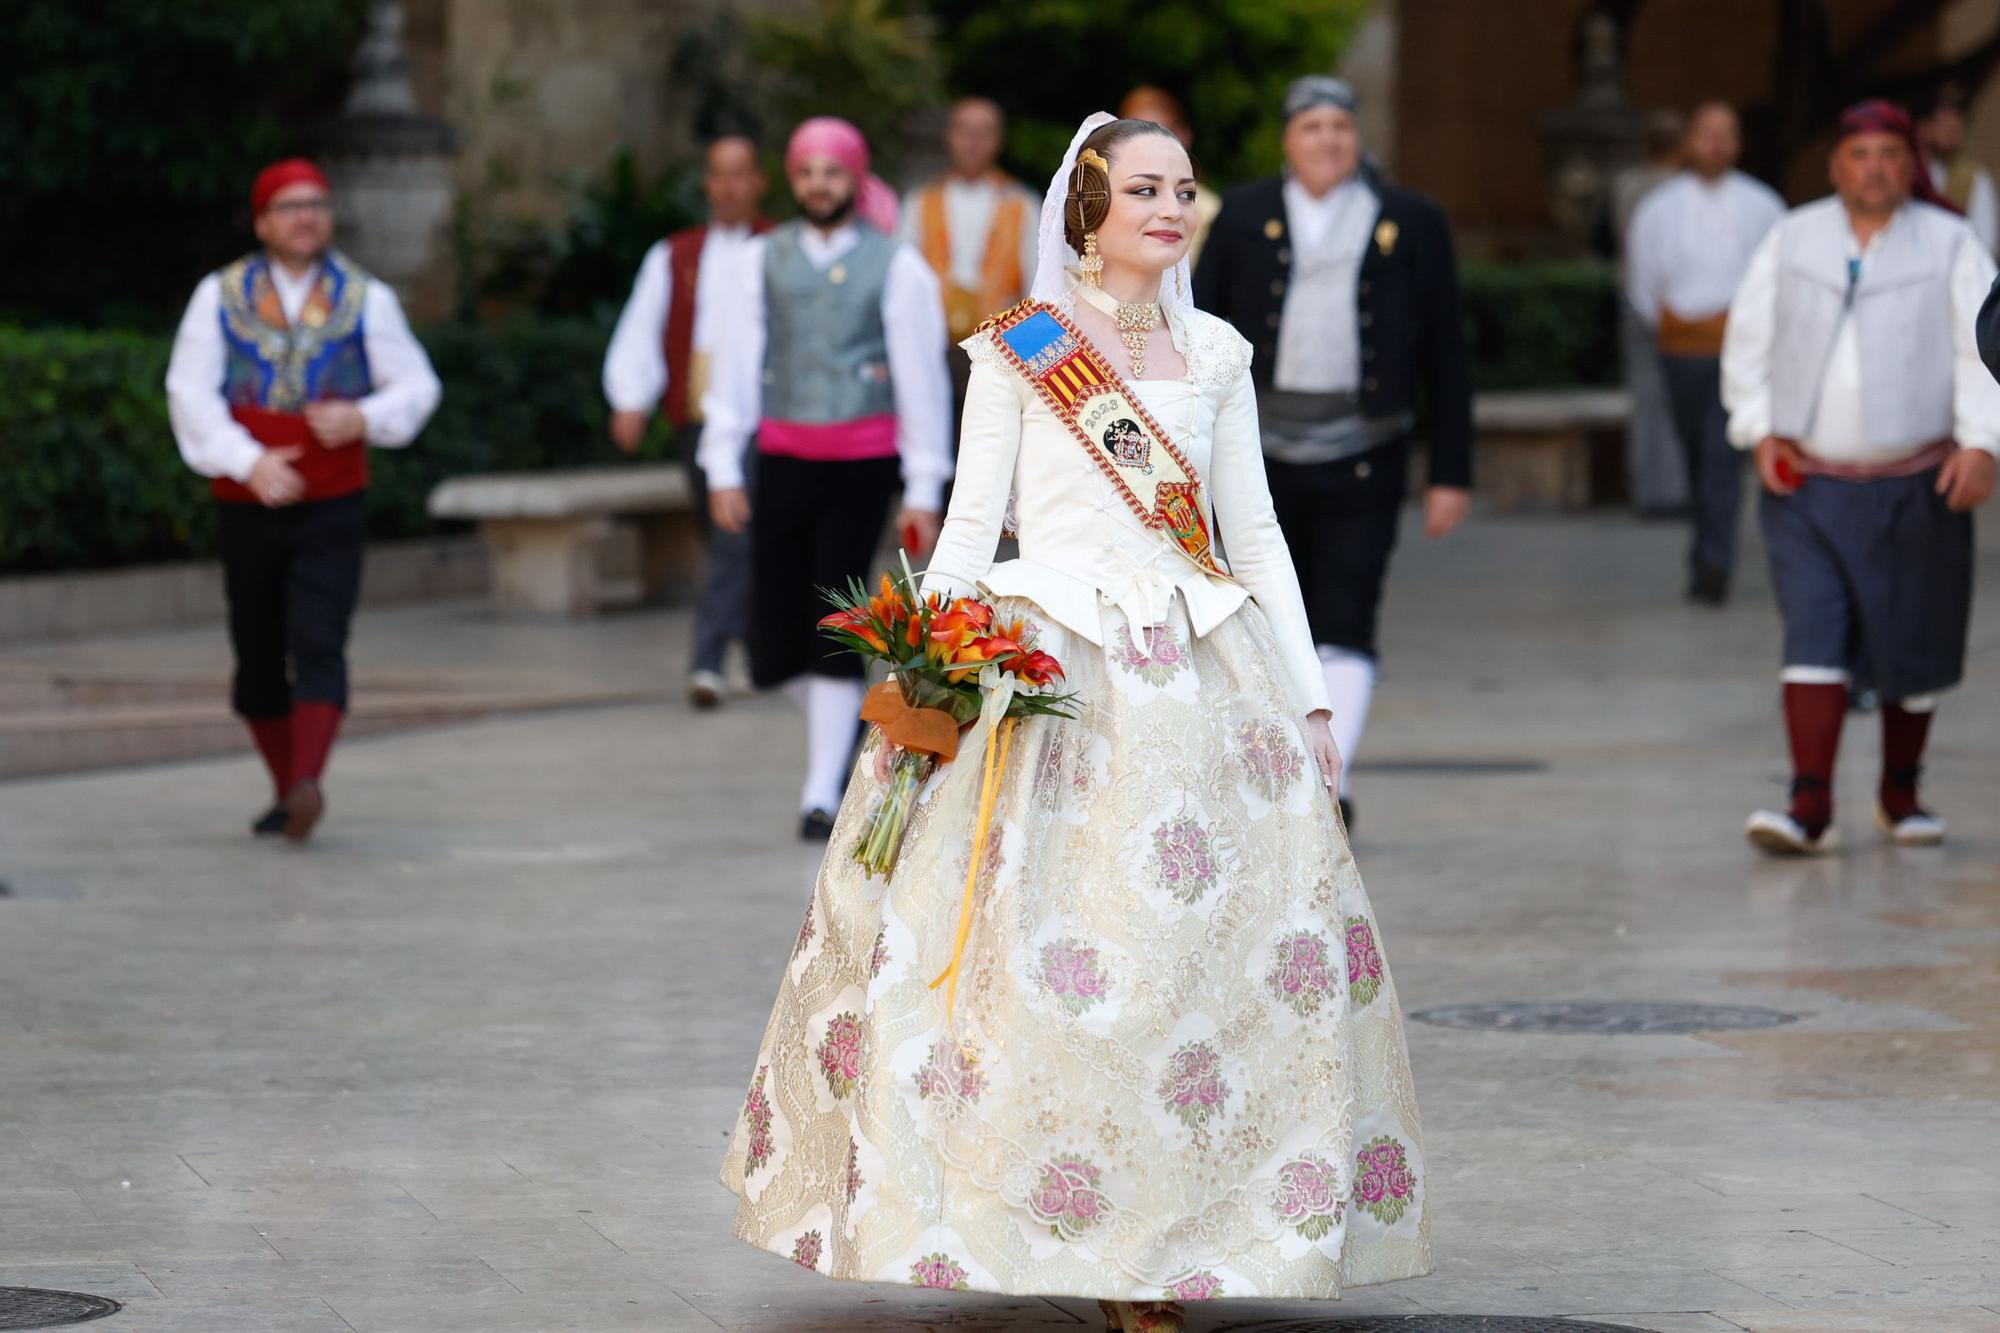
pixel 989 794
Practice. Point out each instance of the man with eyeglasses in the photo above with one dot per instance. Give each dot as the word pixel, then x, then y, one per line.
pixel 289 362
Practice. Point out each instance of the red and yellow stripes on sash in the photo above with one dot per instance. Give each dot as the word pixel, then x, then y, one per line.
pixel 1073 379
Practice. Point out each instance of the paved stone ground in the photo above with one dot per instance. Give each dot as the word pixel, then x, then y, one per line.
pixel 470 1062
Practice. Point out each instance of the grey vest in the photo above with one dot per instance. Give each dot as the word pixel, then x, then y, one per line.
pixel 1903 318
pixel 826 354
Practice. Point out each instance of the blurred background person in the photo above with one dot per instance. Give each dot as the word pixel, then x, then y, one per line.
pixel 833 363
pixel 1348 291
pixel 1689 243
pixel 288 364
pixel 1853 371
pixel 1958 175
pixel 1147 102
pixel 1654 468
pixel 974 225
pixel 659 357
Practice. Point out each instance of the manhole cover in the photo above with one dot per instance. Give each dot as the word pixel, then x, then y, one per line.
pixel 1605 1017
pixel 35 1307
pixel 1433 1323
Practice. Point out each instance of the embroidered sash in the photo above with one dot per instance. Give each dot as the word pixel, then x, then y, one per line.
pixel 1108 420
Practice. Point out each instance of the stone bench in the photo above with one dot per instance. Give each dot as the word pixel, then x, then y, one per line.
pixel 546 532
pixel 1549 448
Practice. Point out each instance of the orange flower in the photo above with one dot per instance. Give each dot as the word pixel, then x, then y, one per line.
pixel 849 619
pixel 1037 668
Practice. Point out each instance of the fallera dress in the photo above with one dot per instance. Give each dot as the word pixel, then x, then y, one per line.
pixel 1175 1068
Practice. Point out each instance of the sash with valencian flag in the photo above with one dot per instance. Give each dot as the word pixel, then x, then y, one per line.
pixel 1106 417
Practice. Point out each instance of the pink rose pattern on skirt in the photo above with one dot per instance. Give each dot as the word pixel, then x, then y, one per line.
pixel 1169 655
pixel 1364 962
pixel 854 1180
pixel 1066 1196
pixel 939 1272
pixel 1184 859
pixel 1193 1087
pixel 951 1073
pixel 806 1252
pixel 757 1114
pixel 1299 973
pixel 1200 1287
pixel 840 1054
pixel 1383 1183
pixel 1309 1197
pixel 1071 973
pixel 1269 759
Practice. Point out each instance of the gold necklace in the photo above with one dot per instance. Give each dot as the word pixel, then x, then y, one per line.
pixel 1134 320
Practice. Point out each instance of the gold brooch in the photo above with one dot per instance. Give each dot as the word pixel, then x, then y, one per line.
pixel 1386 233
pixel 1273 229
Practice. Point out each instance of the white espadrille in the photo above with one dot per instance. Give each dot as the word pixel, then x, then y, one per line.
pixel 1777 834
pixel 1921 829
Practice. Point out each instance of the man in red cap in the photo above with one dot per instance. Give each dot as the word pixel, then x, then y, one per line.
pixel 1850 367
pixel 288 364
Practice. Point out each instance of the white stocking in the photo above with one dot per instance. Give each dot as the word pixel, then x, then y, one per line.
pixel 833 708
pixel 1350 686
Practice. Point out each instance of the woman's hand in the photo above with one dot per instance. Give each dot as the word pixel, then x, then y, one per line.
pixel 1319 739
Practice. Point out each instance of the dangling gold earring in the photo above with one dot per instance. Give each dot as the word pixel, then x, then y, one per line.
pixel 1091 269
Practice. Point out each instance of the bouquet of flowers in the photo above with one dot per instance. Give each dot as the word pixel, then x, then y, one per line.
pixel 945 658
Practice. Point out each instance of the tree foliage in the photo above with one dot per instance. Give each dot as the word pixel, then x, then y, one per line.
pixel 129 130
pixel 1050 63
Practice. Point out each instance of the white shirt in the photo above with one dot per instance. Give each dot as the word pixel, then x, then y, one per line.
pixel 1319 340
pixel 1982 210
pixel 1691 240
pixel 635 365
pixel 1837 433
pixel 405 392
pixel 969 207
pixel 912 325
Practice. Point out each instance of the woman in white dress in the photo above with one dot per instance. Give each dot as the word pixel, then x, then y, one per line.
pixel 1174 1068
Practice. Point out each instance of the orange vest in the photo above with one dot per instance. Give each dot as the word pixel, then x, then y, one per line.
pixel 1000 278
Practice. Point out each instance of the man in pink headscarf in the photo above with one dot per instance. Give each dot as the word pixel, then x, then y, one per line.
pixel 836 368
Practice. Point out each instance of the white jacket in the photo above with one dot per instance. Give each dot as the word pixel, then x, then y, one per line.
pixel 1081 546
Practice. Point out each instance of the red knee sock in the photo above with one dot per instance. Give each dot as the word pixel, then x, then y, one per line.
pixel 314 725
pixel 1813 714
pixel 273 736
pixel 1903 737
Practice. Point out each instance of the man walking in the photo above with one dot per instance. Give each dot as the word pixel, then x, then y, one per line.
pixel 660 355
pixel 288 364
pixel 835 366
pixel 1690 241
pixel 1348 291
pixel 1852 370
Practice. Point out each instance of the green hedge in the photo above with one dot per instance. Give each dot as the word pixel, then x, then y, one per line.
pixel 92 478
pixel 1551 324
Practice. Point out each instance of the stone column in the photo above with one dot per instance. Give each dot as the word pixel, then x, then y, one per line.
pixel 392 174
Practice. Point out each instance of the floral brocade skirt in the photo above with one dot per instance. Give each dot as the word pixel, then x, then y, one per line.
pixel 1175 1067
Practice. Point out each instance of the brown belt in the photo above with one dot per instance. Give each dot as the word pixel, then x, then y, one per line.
pixel 1691 337
pixel 1931 455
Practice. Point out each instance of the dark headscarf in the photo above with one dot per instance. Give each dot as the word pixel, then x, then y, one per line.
pixel 1878 115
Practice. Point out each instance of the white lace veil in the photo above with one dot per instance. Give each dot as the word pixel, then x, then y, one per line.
pixel 1054 258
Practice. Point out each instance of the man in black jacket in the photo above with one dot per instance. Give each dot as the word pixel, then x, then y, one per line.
pixel 1348 290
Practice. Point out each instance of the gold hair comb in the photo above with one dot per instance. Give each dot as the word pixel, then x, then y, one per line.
pixel 1090 157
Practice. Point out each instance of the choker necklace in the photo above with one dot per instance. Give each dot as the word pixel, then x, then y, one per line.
pixel 1133 320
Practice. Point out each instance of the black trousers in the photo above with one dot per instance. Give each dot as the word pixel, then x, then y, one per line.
pixel 815 527
pixel 293 576
pixel 1715 469
pixel 1339 519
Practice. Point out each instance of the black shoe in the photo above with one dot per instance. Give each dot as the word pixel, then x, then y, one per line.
pixel 815 826
pixel 271 823
pixel 1347 814
pixel 1710 587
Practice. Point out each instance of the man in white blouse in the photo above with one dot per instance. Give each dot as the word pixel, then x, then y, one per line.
pixel 1851 368
pixel 1690 240
pixel 688 286
pixel 288 364
pixel 975 225
pixel 835 367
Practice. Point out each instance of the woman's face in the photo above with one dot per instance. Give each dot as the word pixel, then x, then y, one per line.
pixel 1152 205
